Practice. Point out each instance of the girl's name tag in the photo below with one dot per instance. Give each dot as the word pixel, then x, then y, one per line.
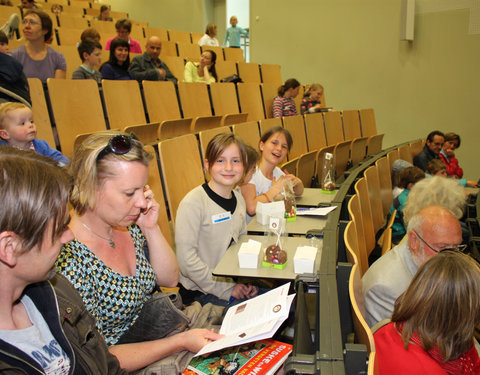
pixel 224 216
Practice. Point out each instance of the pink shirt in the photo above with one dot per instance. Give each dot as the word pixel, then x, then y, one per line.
pixel 134 45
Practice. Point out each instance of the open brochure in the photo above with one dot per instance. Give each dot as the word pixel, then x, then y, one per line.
pixel 253 320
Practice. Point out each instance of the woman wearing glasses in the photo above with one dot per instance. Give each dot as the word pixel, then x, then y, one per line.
pixel 433 322
pixel 39 60
pixel 119 254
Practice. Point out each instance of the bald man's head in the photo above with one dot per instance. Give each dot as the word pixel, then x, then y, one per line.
pixel 432 229
pixel 153 47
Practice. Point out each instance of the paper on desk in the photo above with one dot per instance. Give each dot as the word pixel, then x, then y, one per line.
pixel 318 211
pixel 253 320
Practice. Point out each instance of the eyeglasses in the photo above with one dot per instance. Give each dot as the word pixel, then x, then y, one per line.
pixel 119 145
pixel 460 248
pixel 30 22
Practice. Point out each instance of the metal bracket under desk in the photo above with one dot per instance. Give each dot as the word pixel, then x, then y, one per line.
pixel 324 353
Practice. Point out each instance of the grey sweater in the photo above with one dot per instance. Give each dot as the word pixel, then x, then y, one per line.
pixel 201 244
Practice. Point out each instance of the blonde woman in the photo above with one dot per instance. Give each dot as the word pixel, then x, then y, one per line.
pixel 209 39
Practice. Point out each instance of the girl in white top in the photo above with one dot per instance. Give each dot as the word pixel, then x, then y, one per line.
pixel 209 39
pixel 209 219
pixel 267 181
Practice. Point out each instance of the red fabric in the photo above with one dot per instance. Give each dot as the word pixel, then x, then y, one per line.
pixel 453 169
pixel 394 359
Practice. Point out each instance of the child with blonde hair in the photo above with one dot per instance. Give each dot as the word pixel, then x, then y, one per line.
pixel 18 130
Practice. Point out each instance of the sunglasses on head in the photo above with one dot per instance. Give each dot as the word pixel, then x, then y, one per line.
pixel 119 145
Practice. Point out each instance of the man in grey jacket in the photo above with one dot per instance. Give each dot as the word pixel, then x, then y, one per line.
pixel 431 230
pixel 148 67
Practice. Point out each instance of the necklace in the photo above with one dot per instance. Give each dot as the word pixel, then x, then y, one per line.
pixel 110 240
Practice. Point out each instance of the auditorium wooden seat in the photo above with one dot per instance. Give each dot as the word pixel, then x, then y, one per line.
pixel 374 144
pixel 251 100
pixel 267 124
pixel 225 69
pixel 367 121
pixel 81 98
pixel 351 246
pixel 161 101
pixel 363 334
pixel 358 150
pixel 196 38
pixel 271 74
pixel 189 51
pixel 306 168
pixel 366 214
pixel 72 21
pixel 356 218
pixel 374 190
pixel 233 54
pixel 104 27
pixel 40 112
pixel 180 36
pixel 155 183
pixel 248 131
pixel 71 57
pixel 294 124
pixel 200 123
pixel 416 147
pixel 174 128
pixel 179 181
pixel 161 33
pixel 342 157
pixel 218 51
pixel 68 36
pixel 385 177
pixel 169 48
pixel 333 127
pixel 123 103
pixel 392 156
pixel 224 98
pixel 234 118
pixel 116 15
pixel 73 10
pixel 290 166
pixel 176 65
pixel 315 131
pixel 194 99
pixel 404 153
pixel 249 72
pixel 351 124
pixel 146 133
pixel 269 92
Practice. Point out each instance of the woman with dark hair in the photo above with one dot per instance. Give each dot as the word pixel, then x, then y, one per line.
pixel 39 60
pixel 267 180
pixel 204 71
pixel 116 68
pixel 283 104
pixel 433 322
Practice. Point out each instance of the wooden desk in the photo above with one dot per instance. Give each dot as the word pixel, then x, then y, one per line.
pixel 313 197
pixel 228 265
pixel 298 227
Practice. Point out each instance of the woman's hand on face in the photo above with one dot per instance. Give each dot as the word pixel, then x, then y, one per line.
pixel 148 217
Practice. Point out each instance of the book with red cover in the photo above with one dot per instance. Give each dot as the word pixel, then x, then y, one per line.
pixel 256 358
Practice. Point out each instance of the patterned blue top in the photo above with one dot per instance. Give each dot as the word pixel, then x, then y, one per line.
pixel 113 299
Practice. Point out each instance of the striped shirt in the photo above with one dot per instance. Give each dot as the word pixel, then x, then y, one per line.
pixel 284 107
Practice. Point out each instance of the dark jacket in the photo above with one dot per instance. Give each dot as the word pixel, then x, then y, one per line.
pixel 424 157
pixel 143 68
pixel 12 79
pixel 71 325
